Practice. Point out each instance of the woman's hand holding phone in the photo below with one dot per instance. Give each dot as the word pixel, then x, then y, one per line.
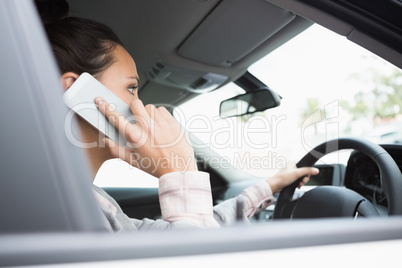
pixel 159 145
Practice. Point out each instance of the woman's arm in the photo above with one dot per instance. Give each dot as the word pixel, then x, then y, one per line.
pixel 258 197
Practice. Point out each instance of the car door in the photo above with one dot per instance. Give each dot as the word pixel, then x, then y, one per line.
pixel 48 212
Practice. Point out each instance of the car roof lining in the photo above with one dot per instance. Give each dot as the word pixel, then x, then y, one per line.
pixel 157 41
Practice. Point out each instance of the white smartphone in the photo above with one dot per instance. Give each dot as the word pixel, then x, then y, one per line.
pixel 80 98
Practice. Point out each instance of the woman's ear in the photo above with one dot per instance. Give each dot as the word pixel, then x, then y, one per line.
pixel 68 79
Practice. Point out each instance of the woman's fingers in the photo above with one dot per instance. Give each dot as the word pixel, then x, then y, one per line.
pixel 304 181
pixel 138 109
pixel 117 150
pixel 151 109
pixel 157 140
pixel 118 120
pixel 285 178
pixel 165 113
pixel 124 153
pixel 305 172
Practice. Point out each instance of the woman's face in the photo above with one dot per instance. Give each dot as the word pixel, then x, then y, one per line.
pixel 122 77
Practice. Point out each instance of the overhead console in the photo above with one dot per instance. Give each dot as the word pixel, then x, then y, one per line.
pixel 232 22
pixel 184 78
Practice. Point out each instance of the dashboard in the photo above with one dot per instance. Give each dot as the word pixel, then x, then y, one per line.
pixel 363 176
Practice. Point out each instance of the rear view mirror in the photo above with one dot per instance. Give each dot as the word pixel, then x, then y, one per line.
pixel 250 102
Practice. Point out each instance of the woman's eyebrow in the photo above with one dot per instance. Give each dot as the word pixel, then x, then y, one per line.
pixel 135 78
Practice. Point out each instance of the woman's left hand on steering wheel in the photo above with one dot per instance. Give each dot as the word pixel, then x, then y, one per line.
pixel 286 177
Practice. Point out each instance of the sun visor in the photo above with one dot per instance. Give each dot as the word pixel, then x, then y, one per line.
pixel 232 30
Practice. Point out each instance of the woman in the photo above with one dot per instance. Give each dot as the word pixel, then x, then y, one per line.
pixel 82 45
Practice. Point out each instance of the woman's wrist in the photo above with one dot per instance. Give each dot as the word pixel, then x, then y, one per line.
pixel 273 184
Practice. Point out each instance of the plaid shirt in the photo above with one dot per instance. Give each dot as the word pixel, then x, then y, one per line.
pixel 186 201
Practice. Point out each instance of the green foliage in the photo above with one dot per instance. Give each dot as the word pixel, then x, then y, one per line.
pixel 310 112
pixel 383 100
pixel 312 106
pixel 380 97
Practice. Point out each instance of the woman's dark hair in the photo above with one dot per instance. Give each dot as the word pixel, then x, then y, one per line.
pixel 79 45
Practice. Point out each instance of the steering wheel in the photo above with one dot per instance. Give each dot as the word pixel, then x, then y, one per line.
pixel 332 201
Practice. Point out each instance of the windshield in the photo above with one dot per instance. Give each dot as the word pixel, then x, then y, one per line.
pixel 330 87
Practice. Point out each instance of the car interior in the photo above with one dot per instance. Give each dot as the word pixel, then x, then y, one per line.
pixel 195 52
pixel 184 49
